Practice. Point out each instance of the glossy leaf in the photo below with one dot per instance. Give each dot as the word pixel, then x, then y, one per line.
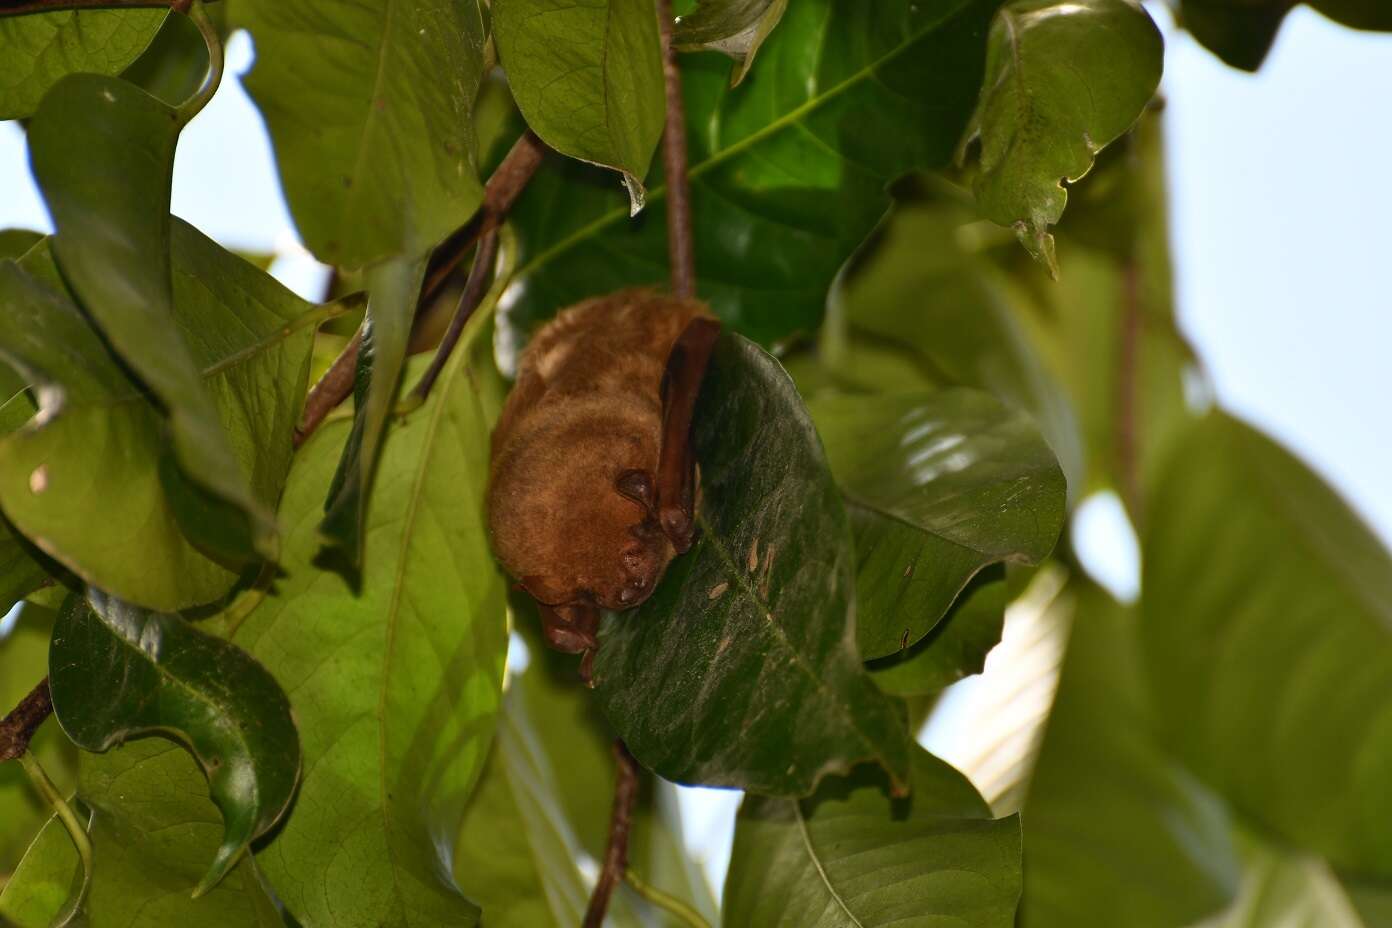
pixel 756 622
pixel 117 671
pixel 36 51
pixel 1118 832
pixel 788 172
pixel 734 27
pixel 99 443
pixel 103 153
pixel 1268 634
pixel 851 855
pixel 938 486
pixel 588 78
pixel 153 829
pixel 395 684
pixel 1063 80
pixel 368 107
pixel 1241 32
pixel 956 647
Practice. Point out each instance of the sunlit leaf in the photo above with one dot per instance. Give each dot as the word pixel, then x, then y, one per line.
pixel 938 485
pixel 588 78
pixel 36 51
pixel 103 153
pixel 1063 80
pixel 851 855
pixel 368 105
pixel 756 622
pixel 735 27
pixel 396 684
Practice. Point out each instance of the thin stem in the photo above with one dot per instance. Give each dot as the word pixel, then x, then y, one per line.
pixel 82 843
pixel 330 390
pixel 474 289
pixel 17 729
pixel 671 904
pixel 22 7
pixel 681 252
pixel 620 822
pixel 194 104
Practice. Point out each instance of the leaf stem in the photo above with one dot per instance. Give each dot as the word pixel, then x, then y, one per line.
pixel 194 104
pixel 681 252
pixel 17 729
pixel 81 842
pixel 620 823
pixel 671 904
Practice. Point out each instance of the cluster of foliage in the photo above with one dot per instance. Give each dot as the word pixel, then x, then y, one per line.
pixel 318 634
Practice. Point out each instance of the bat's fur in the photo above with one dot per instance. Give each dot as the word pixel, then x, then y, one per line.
pixel 586 408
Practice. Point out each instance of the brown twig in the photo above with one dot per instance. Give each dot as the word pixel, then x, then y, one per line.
pixel 620 822
pixel 499 194
pixel 17 729
pixel 681 252
pixel 474 289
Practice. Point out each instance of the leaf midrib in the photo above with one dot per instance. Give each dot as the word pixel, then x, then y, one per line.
pixel 817 862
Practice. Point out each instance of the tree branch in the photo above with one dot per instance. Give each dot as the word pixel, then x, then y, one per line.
pixel 620 822
pixel 499 194
pixel 17 729
pixel 681 252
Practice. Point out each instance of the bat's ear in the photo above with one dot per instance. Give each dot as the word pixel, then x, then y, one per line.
pixel 639 486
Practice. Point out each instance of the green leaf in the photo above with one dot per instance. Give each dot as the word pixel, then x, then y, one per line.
pixel 735 27
pixel 396 684
pixel 588 79
pixel 117 671
pixel 173 67
pixel 103 153
pixel 98 444
pixel 938 486
pixel 152 829
pixel 369 108
pixel 1281 889
pixel 756 622
pixel 1268 635
pixel 1118 832
pixel 956 647
pixel 788 172
pixel 1241 32
pixel 394 288
pixel 15 242
pixel 36 51
pixel 851 855
pixel 1063 79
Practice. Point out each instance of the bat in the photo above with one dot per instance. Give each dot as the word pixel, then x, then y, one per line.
pixel 592 483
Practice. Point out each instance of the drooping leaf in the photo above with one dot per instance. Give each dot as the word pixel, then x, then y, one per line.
pixel 368 107
pixel 103 153
pixel 1063 80
pixel 1241 32
pixel 153 829
pixel 757 622
pixel 1267 634
pixel 788 172
pixel 36 51
pixel 394 287
pixel 395 685
pixel 97 446
pixel 956 647
pixel 938 486
pixel 735 27
pixel 851 855
pixel 588 78
pixel 117 671
pixel 1118 832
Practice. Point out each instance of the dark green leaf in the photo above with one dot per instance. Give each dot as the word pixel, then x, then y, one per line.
pixel 1118 833
pixel 395 686
pixel 172 68
pixel 15 242
pixel 937 485
pixel 117 671
pixel 756 622
pixel 369 106
pixel 788 172
pixel 394 288
pixel 153 830
pixel 850 855
pixel 1063 79
pixel 36 51
pixel 1268 635
pixel 588 78
pixel 956 647
pixel 735 27
pixel 103 152
pixel 1241 32
pixel 97 446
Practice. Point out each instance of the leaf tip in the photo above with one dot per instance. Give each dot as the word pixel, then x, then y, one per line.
pixel 226 858
pixel 637 194
pixel 1039 243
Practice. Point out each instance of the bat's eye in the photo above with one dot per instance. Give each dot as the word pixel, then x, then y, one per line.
pixel 637 485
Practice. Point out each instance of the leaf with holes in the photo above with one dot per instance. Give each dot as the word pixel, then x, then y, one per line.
pixel 741 669
pixel 734 27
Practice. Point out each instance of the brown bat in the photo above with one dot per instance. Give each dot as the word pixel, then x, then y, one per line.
pixel 592 485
